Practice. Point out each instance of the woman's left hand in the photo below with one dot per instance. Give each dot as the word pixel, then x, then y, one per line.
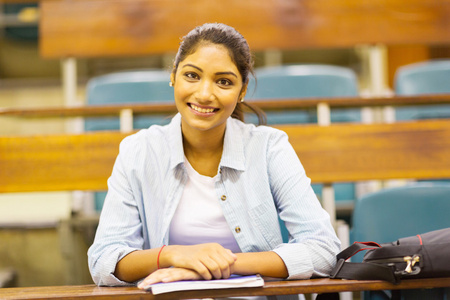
pixel 169 275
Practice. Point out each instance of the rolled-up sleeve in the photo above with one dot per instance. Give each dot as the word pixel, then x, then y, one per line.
pixel 120 228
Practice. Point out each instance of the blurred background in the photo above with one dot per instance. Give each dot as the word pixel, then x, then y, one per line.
pixel 39 238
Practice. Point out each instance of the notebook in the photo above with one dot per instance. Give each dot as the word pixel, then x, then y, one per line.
pixel 235 281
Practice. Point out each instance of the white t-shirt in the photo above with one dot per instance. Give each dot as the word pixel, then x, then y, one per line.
pixel 199 217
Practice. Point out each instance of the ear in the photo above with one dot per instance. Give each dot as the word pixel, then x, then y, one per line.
pixel 172 78
pixel 243 91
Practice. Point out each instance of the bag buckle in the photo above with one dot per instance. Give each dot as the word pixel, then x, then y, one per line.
pixel 411 267
pixel 410 262
pixel 337 268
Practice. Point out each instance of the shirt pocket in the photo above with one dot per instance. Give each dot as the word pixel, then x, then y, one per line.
pixel 265 219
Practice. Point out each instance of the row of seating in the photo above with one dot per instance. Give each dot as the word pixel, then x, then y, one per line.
pixel 288 81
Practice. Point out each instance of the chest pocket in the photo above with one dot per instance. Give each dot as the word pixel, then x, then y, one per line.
pixel 265 219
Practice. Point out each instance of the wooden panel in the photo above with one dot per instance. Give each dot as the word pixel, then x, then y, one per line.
pixel 399 56
pixel 286 287
pixel 93 28
pixel 57 163
pixel 344 152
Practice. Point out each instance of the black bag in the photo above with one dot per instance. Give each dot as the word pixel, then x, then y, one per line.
pixel 422 256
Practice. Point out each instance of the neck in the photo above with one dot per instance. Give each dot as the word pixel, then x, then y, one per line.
pixel 203 149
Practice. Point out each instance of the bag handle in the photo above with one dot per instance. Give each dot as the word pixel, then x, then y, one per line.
pixel 355 248
pixel 362 271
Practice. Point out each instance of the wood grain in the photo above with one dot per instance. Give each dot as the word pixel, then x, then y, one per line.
pixel 323 285
pixel 96 28
pixel 341 152
pixel 57 163
pixel 346 152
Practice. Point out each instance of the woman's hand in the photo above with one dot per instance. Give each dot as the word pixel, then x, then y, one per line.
pixel 169 275
pixel 207 260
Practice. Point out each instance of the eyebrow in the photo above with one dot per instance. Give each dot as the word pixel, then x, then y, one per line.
pixel 218 73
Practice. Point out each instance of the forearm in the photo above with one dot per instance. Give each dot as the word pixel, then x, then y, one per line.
pixel 137 265
pixel 265 263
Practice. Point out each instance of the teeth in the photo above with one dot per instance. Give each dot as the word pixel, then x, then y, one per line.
pixel 202 110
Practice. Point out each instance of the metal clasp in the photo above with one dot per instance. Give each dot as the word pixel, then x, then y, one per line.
pixel 410 262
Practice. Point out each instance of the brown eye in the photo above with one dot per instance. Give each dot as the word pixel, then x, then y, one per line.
pixel 225 82
pixel 191 75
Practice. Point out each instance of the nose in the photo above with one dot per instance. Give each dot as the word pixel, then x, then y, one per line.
pixel 205 91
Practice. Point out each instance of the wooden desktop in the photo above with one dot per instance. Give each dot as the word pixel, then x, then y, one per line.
pixel 270 288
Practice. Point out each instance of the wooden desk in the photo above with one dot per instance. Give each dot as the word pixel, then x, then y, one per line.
pixel 94 28
pixel 318 286
pixel 337 153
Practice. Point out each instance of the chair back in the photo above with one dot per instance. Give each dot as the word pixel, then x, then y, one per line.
pixel 305 81
pixel 389 214
pixel 431 77
pixel 136 86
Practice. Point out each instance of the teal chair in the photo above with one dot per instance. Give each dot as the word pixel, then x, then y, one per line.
pixel 305 81
pixel 430 77
pixel 308 81
pixel 390 214
pixel 137 86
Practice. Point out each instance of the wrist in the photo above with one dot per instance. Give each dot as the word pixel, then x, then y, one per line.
pixel 158 258
pixel 165 257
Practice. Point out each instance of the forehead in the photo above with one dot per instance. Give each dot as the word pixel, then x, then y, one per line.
pixel 211 56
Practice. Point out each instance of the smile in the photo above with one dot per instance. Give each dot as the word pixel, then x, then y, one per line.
pixel 202 110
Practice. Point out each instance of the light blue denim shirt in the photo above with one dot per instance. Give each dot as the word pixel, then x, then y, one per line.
pixel 259 178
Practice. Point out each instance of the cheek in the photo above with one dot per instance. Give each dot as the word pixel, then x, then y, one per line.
pixel 181 91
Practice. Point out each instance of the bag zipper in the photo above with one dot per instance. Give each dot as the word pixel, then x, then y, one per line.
pixel 409 260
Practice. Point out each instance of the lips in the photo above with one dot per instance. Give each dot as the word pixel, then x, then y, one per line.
pixel 203 110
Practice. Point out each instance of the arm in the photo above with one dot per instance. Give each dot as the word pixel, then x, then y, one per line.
pixel 313 244
pixel 268 264
pixel 137 265
pixel 208 261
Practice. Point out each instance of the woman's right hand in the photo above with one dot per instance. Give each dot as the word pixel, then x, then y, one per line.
pixel 210 261
pixel 168 275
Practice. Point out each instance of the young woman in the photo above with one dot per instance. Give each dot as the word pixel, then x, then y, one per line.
pixel 200 197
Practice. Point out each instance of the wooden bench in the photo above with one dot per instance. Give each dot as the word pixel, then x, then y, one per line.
pixel 337 153
pixel 95 28
pixel 342 152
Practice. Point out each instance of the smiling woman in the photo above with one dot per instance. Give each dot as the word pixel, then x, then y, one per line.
pixel 200 198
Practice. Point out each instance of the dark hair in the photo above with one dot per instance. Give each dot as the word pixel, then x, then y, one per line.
pixel 221 34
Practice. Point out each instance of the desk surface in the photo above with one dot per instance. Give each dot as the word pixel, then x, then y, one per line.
pixel 323 285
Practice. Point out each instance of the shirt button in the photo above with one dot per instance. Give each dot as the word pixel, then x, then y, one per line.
pixel 237 229
pixel 223 197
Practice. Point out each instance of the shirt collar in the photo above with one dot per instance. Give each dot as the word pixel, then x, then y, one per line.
pixel 175 141
pixel 233 148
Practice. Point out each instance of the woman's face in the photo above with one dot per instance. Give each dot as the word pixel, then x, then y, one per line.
pixel 207 86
